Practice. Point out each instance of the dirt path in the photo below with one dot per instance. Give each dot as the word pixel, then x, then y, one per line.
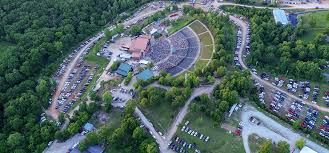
pixel 182 113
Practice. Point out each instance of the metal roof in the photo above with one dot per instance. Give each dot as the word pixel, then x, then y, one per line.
pixel 145 75
pixel 280 16
pixel 124 69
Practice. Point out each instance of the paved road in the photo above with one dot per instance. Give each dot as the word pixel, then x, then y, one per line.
pixel 52 110
pixel 182 113
pixel 271 129
pixel 300 6
pixel 243 26
pixel 63 147
pixel 162 144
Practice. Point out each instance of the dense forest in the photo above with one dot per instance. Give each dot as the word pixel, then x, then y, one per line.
pixel 40 32
pixel 277 49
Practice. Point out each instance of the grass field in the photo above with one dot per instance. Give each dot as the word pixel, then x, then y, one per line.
pixel 200 63
pixel 205 39
pixel 255 142
pixel 206 52
pixel 198 27
pixel 314 23
pixel 161 116
pixel 220 140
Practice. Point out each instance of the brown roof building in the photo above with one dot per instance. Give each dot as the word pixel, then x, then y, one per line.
pixel 139 46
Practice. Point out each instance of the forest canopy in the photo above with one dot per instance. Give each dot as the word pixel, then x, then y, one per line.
pixel 40 32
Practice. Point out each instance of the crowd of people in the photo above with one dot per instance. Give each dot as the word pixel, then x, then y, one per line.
pixel 172 52
pixel 159 50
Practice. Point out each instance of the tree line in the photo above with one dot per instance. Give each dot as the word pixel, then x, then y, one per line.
pixel 41 32
pixel 129 137
pixel 276 48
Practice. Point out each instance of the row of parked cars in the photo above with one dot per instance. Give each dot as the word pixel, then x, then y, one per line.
pixel 238 46
pixel 180 145
pixel 324 128
pixel 310 118
pixel 277 101
pixel 294 111
pixel 191 132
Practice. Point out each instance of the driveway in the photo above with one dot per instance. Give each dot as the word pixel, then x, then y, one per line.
pixel 62 147
pixel 271 129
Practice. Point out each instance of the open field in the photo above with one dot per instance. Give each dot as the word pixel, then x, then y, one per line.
pixel 220 140
pixel 112 119
pixel 206 52
pixel 255 142
pixel 197 27
pixel 160 115
pixel 205 39
pixel 200 63
pixel 314 23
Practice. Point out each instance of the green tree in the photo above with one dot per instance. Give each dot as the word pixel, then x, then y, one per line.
pixel 300 143
pixel 15 140
pixel 266 147
pixel 283 147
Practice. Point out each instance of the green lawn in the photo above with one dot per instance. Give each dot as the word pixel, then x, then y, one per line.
pixel 160 115
pixel 321 19
pixel 200 63
pixel 220 140
pixel 198 27
pixel 310 34
pixel 205 39
pixel 255 142
pixel 206 52
pixel 314 23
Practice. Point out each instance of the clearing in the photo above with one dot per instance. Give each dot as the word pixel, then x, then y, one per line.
pixel 220 141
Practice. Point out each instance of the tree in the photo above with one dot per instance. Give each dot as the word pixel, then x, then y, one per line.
pixel 107 97
pixel 15 140
pixel 266 147
pixel 300 143
pixel 283 147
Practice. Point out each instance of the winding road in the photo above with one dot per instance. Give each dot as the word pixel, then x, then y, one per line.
pixel 243 25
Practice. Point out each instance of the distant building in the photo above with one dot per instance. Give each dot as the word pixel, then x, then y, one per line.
pixel 145 75
pixel 88 127
pixel 306 149
pixel 280 16
pixel 139 46
pixel 124 69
